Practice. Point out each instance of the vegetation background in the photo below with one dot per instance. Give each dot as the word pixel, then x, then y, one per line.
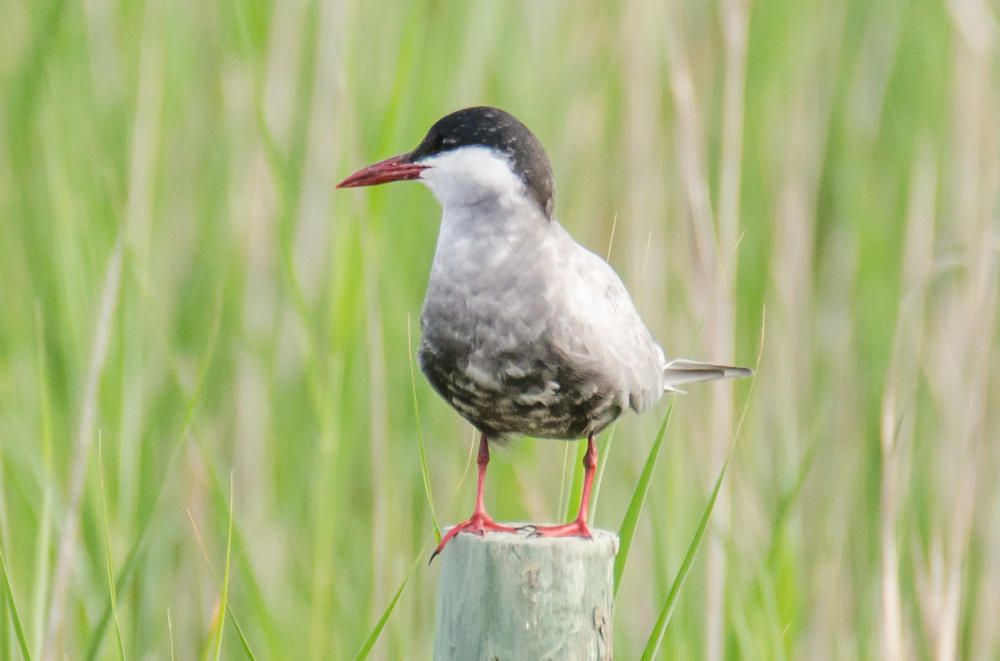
pixel 206 351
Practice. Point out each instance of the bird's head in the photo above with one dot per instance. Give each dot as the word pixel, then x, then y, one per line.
pixel 469 156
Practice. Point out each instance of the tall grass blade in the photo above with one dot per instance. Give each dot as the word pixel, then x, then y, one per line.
pixel 656 637
pixel 5 643
pixel 425 471
pixel 100 344
pixel 242 636
pixel 224 599
pixel 239 542
pixel 376 631
pixel 218 585
pixel 131 561
pixel 107 551
pixel 134 553
pixel 627 530
pixel 660 628
pixel 15 615
pixel 43 545
pixel 170 634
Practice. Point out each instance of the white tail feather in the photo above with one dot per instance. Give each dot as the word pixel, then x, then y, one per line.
pixel 680 371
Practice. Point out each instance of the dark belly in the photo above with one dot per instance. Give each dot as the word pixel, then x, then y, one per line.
pixel 524 392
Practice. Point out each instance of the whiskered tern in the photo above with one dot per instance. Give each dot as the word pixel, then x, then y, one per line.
pixel 525 332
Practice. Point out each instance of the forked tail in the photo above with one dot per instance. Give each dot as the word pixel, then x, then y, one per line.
pixel 679 372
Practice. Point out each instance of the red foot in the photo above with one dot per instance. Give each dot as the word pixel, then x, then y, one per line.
pixel 575 529
pixel 478 523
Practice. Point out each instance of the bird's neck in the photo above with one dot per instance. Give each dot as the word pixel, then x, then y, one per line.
pixel 478 238
pixel 489 220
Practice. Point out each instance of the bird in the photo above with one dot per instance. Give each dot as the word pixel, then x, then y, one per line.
pixel 524 332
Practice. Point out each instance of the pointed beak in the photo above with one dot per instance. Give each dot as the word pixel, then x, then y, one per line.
pixel 397 168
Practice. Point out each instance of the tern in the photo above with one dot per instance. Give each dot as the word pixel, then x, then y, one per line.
pixel 524 331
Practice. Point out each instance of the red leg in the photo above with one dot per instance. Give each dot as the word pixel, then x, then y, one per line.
pixel 578 528
pixel 480 522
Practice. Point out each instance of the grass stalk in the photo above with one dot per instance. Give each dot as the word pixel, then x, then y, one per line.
pixel 224 598
pixel 425 471
pixel 627 530
pixel 15 614
pixel 84 440
pixel 376 632
pixel 108 562
pixel 666 612
pixel 221 587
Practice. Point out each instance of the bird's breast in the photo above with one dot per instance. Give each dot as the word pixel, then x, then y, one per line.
pixel 500 341
pixel 490 356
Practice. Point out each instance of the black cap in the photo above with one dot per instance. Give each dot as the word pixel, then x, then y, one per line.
pixel 483 126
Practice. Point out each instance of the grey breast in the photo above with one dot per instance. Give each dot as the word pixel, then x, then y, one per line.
pixel 531 334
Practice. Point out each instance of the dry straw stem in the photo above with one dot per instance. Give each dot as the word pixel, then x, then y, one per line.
pixel 720 327
pixel 716 247
pixel 81 449
pixel 960 344
pixel 134 227
pixel 898 401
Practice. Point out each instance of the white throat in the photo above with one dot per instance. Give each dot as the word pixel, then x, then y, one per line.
pixel 487 213
pixel 471 176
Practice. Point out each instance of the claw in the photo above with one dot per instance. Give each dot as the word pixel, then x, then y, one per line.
pixel 479 524
pixel 575 529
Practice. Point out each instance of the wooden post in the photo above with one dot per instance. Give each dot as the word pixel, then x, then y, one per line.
pixel 507 597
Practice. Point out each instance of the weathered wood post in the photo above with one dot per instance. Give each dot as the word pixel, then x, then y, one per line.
pixel 509 597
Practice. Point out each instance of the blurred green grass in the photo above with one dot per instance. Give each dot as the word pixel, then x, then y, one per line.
pixel 258 327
